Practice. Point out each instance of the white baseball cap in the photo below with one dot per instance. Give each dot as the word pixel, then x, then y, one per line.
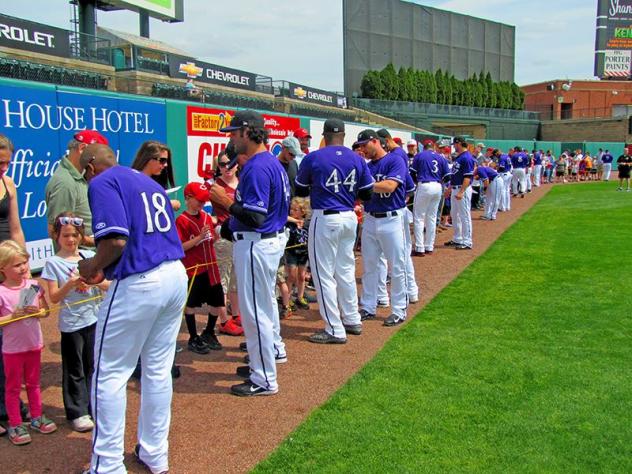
pixel 411 143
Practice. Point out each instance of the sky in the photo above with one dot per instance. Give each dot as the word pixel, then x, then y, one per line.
pixel 301 40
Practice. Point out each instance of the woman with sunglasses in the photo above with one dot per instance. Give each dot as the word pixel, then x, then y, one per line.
pixel 226 178
pixel 154 159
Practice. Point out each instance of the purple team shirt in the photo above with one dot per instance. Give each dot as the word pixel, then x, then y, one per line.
pixel 335 174
pixel 520 160
pixel 390 166
pixel 126 202
pixel 537 158
pixel 607 158
pixel 264 188
pixel 430 166
pixel 463 167
pixel 409 183
pixel 485 172
pixel 504 163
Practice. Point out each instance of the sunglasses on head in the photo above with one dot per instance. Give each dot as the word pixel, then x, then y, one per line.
pixel 223 164
pixel 76 221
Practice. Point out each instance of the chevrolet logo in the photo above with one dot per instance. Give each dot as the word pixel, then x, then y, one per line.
pixel 191 70
pixel 300 92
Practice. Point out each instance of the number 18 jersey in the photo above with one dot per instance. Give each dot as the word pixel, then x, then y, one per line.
pixel 124 201
pixel 335 174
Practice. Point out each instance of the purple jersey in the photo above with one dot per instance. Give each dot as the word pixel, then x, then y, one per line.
pixel 390 166
pixel 126 202
pixel 485 172
pixel 409 184
pixel 335 174
pixel 607 158
pixel 430 167
pixel 520 160
pixel 504 163
pixel 537 158
pixel 264 188
pixel 462 168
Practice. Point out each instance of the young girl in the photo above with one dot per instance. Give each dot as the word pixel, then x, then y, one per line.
pixel 22 341
pixel 296 255
pixel 77 318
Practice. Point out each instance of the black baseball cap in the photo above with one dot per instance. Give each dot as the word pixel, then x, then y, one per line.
pixel 366 136
pixel 243 119
pixel 460 140
pixel 333 125
pixel 383 133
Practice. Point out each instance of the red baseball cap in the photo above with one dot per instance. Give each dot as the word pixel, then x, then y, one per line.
pixel 197 190
pixel 301 133
pixel 427 141
pixel 397 140
pixel 90 136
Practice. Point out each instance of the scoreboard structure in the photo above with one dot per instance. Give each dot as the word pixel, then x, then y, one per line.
pixel 613 43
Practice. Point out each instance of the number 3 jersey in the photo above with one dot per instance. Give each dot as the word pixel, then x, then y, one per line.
pixel 335 174
pixel 126 202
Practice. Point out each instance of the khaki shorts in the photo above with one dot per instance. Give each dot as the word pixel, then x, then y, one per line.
pixel 224 252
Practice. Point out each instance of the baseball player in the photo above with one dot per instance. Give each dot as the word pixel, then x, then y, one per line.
pixel 492 184
pixel 139 250
pixel 461 195
pixel 607 159
pixel 428 169
pixel 391 146
pixel 537 167
pixel 383 229
pixel 519 163
pixel 258 216
pixel 334 177
pixel 503 166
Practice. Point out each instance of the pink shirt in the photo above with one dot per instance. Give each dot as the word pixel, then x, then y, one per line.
pixel 24 335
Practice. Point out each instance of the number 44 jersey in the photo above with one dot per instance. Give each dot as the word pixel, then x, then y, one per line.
pixel 335 174
pixel 127 203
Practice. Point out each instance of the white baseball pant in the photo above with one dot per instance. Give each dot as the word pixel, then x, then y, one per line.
pixel 411 282
pixel 461 216
pixel 493 196
pixel 505 201
pixel 519 176
pixel 528 178
pixel 332 261
pixel 427 200
pixel 256 262
pixel 607 169
pixel 382 290
pixel 537 175
pixel 140 316
pixel 384 236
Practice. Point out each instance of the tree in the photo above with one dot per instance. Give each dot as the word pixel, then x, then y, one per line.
pixel 447 91
pixel 491 95
pixel 411 85
pixel 432 87
pixel 517 97
pixel 440 87
pixel 483 90
pixel 457 91
pixel 391 82
pixel 372 86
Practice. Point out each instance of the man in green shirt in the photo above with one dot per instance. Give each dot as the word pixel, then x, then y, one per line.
pixel 67 190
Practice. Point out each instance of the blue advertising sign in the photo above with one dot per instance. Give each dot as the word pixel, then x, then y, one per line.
pixel 41 122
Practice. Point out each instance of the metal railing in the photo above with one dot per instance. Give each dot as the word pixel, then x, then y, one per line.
pixel 90 48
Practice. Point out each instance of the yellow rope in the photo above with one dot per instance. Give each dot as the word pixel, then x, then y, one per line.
pixel 43 313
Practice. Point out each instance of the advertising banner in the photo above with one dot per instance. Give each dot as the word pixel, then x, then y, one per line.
pixel 30 36
pixel 41 122
pixel 351 133
pixel 205 141
pixel 613 43
pixel 317 96
pixel 187 68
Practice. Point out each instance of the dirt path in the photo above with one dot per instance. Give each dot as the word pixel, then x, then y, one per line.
pixel 213 431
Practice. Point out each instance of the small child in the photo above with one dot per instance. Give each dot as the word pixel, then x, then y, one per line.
pixel 22 341
pixel 197 232
pixel 77 319
pixel 296 256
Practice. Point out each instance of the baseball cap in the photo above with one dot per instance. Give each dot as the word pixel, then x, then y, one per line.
pixel 244 118
pixel 89 137
pixel 427 141
pixel 197 190
pixel 333 125
pixel 411 143
pixel 383 133
pixel 301 133
pixel 366 136
pixel 480 145
pixel 460 140
pixel 293 145
pixel 397 140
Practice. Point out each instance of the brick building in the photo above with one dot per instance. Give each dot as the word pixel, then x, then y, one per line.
pixel 568 99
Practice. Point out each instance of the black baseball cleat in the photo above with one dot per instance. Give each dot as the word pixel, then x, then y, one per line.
pixel 355 329
pixel 197 345
pixel 463 247
pixel 417 253
pixel 393 320
pixel 451 243
pixel 138 460
pixel 210 339
pixel 323 337
pixel 243 347
pixel 365 315
pixel 249 389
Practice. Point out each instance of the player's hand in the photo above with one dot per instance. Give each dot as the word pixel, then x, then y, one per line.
pixel 89 273
pixel 459 195
pixel 218 195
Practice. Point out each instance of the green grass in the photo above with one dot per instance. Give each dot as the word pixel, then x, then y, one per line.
pixel 522 364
